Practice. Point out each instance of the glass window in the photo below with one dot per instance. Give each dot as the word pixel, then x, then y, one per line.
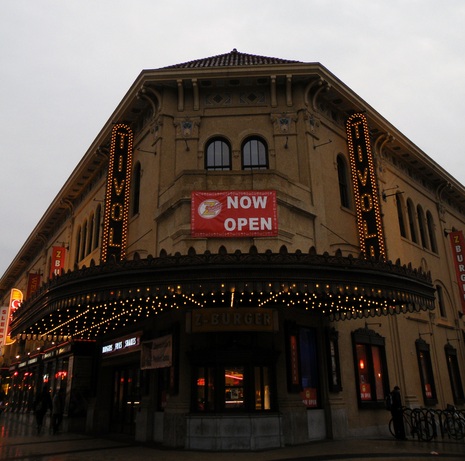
pixel 371 368
pixel 431 232
pixel 232 388
pixel 343 177
pixel 422 227
pixel 78 245
pixel 97 218
pixel 426 372
pixel 309 374
pixel 218 155
pixel 454 374
pixel 411 221
pixel 400 215
pixel 136 176
pixel 254 154
pixel 334 367
pixel 440 301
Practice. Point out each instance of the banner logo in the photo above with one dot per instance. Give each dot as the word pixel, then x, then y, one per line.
pixel 234 214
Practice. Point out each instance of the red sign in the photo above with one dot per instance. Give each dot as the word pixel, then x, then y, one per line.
pixel 365 391
pixel 4 320
pixel 294 361
pixel 458 249
pixel 309 397
pixel 234 214
pixel 32 284
pixel 58 261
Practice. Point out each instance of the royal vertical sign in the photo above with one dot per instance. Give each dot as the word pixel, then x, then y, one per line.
pixel 33 283
pixel 58 261
pixel 369 223
pixel 116 215
pixel 458 250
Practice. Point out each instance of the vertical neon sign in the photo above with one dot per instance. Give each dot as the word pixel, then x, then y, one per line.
pixel 369 223
pixel 116 216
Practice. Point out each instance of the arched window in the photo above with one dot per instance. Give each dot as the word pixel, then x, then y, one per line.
pixel 400 215
pixel 343 177
pixel 83 241
pixel 422 227
pixel 90 235
pixel 254 154
pixel 431 232
pixel 218 155
pixel 97 218
pixel 136 175
pixel 78 245
pixel 411 221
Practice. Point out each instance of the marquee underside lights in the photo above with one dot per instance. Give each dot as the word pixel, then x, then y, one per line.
pixel 115 221
pixel 337 287
pixel 370 229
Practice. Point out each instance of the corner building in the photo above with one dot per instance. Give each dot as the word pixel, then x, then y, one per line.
pixel 249 256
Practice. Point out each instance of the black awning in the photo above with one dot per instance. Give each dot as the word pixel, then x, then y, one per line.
pixel 84 303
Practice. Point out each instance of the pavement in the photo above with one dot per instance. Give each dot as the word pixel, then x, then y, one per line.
pixel 19 442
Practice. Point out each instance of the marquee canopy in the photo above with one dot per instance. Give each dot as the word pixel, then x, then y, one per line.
pixel 90 302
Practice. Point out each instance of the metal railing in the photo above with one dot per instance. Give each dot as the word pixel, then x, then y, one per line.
pixel 427 424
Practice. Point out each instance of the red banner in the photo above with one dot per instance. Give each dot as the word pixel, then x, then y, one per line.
pixel 234 214
pixel 458 250
pixel 58 261
pixel 32 284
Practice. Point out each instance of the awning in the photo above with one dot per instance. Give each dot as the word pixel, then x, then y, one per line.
pixel 91 301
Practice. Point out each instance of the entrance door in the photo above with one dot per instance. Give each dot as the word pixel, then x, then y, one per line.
pixel 126 398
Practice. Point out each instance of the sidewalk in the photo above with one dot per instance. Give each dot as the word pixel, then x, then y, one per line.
pixel 18 442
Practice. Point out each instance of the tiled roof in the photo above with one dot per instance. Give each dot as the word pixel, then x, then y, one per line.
pixel 234 58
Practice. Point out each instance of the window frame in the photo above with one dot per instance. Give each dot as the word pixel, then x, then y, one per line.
pixel 455 378
pixel 225 163
pixel 370 340
pixel 344 182
pixel 258 160
pixel 425 367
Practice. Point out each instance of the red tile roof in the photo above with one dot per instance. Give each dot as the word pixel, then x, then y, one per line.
pixel 234 58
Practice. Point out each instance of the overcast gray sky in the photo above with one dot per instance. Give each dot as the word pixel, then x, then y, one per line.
pixel 66 64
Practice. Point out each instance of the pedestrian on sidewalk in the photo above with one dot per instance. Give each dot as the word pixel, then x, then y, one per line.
pixel 42 404
pixel 58 406
pixel 397 414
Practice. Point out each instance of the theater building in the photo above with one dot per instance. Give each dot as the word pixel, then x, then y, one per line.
pixel 247 256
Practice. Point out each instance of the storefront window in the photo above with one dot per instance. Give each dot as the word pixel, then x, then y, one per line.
pixel 454 374
pixel 426 372
pixel 309 366
pixel 233 388
pixel 371 369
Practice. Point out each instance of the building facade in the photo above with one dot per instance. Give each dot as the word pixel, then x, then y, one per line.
pixel 247 256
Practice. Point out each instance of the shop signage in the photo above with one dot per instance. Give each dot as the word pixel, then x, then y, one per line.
pixel 116 215
pixel 234 214
pixel 16 298
pixel 33 283
pixel 365 187
pixel 309 397
pixel 243 319
pixel 157 353
pixel 121 346
pixel 365 391
pixel 458 249
pixel 294 358
pixel 58 261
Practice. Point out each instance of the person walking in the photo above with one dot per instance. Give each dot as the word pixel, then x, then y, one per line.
pixel 42 404
pixel 58 405
pixel 397 414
